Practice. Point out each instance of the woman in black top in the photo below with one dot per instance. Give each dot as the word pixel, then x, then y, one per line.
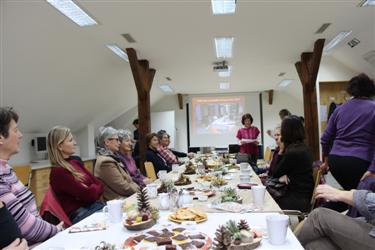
pixel 294 166
pixel 9 231
pixel 153 155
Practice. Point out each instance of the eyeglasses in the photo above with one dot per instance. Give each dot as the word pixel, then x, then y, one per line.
pixel 111 139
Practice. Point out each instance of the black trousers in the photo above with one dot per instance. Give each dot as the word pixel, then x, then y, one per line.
pixel 348 171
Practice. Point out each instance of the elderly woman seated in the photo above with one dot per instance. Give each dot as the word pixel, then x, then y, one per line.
pixel 17 197
pixel 125 156
pixel 328 229
pixel 109 169
pixel 171 156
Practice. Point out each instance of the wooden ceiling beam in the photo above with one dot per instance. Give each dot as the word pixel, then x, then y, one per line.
pixel 307 69
pixel 143 78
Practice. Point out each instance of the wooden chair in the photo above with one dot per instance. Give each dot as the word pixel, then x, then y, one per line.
pixel 24 174
pixel 150 170
pixel 296 217
pixel 267 154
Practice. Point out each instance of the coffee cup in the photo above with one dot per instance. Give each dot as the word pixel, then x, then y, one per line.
pixel 258 195
pixel 152 190
pixel 113 209
pixel 277 226
pixel 244 165
pixel 163 201
pixel 244 179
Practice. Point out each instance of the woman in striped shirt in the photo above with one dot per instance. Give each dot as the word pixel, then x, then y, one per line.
pixel 18 199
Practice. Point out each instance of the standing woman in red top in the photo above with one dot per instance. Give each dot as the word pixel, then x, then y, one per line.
pixel 75 187
pixel 248 138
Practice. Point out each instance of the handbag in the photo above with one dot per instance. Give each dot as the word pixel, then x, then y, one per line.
pixel 276 188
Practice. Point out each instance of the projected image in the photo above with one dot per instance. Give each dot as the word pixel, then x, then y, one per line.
pixel 217 115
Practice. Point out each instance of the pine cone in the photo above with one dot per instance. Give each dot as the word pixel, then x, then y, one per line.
pixel 242 225
pixel 221 239
pixel 143 202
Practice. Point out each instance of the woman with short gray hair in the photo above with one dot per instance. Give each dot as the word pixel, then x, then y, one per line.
pixel 109 169
pixel 125 156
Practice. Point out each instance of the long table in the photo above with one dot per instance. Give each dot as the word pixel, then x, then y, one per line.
pixel 117 234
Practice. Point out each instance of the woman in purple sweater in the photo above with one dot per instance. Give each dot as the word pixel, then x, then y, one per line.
pixel 18 199
pixel 348 142
pixel 125 155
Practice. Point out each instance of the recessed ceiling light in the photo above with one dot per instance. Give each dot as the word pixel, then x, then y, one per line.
pixel 225 73
pixel 166 88
pixel 336 40
pixel 224 85
pixel 118 51
pixel 224 46
pixel 73 12
pixel 222 7
pixel 364 3
pixel 285 82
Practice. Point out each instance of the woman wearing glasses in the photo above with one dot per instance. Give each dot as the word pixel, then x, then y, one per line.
pixel 108 167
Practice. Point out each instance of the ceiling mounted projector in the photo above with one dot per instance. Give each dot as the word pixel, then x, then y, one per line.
pixel 221 66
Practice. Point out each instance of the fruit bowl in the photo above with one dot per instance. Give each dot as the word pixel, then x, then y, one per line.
pixel 139 225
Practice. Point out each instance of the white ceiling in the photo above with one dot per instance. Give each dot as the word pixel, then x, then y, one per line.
pixel 55 72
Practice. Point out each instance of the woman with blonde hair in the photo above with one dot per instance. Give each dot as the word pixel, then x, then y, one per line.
pixel 75 187
pixel 109 169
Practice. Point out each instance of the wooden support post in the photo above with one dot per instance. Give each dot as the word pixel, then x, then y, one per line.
pixel 143 77
pixel 270 96
pixel 180 101
pixel 307 70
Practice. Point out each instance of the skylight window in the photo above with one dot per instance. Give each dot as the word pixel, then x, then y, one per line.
pixel 118 51
pixel 73 12
pixel 223 7
pixel 224 47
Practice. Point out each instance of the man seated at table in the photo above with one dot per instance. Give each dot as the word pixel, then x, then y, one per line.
pixel 328 229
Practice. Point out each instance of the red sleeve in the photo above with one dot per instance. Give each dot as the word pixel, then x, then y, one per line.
pixel 95 183
pixel 63 182
pixel 239 135
pixel 257 132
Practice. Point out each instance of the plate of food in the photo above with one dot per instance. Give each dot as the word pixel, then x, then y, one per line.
pixel 206 192
pixel 182 180
pixel 190 168
pixel 205 177
pixel 171 239
pixel 188 214
pixel 218 181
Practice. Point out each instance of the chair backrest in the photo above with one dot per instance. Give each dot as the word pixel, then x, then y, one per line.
pixel 317 173
pixel 24 174
pixel 233 148
pixel 268 154
pixel 51 206
pixel 150 170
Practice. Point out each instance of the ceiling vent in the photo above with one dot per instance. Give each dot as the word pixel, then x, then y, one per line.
pixel 322 28
pixel 354 42
pixel 128 38
pixel 281 74
pixel 370 57
pixel 221 66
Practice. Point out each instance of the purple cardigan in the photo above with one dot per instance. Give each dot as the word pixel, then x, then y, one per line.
pixel 351 131
pixel 131 168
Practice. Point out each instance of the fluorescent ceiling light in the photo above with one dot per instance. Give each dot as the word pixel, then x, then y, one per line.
pixel 73 12
pixel 285 82
pixel 222 7
pixel 225 73
pixel 224 47
pixel 166 88
pixel 224 85
pixel 336 40
pixel 367 3
pixel 116 49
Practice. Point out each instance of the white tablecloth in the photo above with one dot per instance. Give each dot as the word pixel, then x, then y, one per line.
pixel 117 234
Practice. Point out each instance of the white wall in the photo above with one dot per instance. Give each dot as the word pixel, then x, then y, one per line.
pixel 85 140
pixel 332 70
pixel 169 103
pixel 24 156
pixel 281 100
